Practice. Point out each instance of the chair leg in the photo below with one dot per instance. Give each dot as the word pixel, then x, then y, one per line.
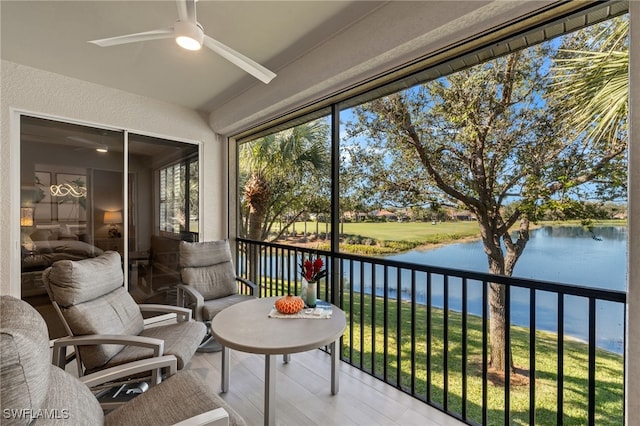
pixel 209 344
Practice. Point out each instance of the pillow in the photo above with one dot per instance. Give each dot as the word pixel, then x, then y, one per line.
pixel 40 235
pixel 67 236
pixel 213 282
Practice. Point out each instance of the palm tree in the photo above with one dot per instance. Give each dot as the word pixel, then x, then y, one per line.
pixel 592 79
pixel 275 170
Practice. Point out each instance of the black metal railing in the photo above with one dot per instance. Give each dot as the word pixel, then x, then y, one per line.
pixel 425 330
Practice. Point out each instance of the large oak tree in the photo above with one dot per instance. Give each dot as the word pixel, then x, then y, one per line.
pixel 484 137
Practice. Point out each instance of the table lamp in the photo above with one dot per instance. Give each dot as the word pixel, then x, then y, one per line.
pixel 113 219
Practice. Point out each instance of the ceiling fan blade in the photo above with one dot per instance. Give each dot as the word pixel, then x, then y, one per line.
pixel 134 38
pixel 85 141
pixel 238 59
pixel 186 10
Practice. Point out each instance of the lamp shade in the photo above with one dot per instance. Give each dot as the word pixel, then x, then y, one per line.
pixel 26 216
pixel 113 217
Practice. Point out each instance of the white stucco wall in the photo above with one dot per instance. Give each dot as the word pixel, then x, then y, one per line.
pixel 31 90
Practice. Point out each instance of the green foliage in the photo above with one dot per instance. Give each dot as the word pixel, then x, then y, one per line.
pixel 282 176
pixel 483 137
pixel 591 80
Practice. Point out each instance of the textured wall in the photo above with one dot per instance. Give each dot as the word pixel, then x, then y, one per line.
pixel 35 91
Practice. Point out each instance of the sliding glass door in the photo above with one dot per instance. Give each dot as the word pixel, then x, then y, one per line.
pixel 80 196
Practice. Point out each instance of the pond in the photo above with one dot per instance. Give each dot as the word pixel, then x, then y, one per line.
pixel 563 254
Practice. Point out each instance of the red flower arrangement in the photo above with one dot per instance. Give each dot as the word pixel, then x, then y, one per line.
pixel 312 270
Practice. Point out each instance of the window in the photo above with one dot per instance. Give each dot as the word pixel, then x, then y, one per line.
pixel 179 197
pixel 404 150
pixel 485 144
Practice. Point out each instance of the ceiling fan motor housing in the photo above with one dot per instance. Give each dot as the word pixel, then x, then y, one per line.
pixel 189 35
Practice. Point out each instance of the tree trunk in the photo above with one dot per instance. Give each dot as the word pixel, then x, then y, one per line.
pixel 500 358
pixel 500 348
pixel 257 193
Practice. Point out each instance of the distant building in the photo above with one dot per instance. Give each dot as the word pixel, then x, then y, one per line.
pixel 461 215
pixel 386 214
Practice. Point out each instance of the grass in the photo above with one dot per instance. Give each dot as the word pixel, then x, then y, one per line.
pixel 421 232
pixel 365 344
pixel 382 238
pixel 379 238
pixel 609 366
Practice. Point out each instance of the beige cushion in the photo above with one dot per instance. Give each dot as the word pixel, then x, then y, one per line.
pixel 25 362
pixel 73 282
pixel 208 268
pixel 29 380
pixel 212 307
pixel 71 400
pixel 181 340
pixel 204 253
pixel 93 300
pixel 181 396
pixel 115 313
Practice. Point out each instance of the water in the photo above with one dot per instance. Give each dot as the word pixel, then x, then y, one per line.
pixel 564 254
pixel 568 255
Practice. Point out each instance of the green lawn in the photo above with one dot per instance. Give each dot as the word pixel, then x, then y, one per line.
pixel 411 231
pixel 367 343
pixel 377 238
pixel 609 366
pixel 397 231
pixel 365 346
pixel 380 238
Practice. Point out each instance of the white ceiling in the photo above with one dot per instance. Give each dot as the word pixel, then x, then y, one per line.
pixel 53 35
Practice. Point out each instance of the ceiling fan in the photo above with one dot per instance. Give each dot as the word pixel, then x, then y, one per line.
pixel 190 35
pixel 98 146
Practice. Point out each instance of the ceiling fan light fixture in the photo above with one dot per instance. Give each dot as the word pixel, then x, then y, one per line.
pixel 188 36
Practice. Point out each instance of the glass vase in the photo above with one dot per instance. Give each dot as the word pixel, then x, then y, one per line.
pixel 308 293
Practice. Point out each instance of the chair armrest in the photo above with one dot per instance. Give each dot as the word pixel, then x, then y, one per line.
pixel 192 295
pixel 168 362
pixel 250 284
pixel 60 345
pixel 184 314
pixel 217 417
